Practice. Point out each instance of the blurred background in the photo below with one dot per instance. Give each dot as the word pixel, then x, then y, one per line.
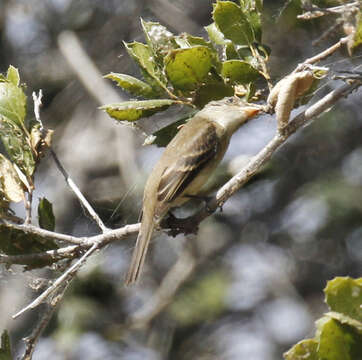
pixel 262 262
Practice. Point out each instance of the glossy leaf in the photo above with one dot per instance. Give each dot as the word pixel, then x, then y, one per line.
pixel 13 76
pixel 304 350
pixel 144 57
pixel 134 110
pixel 132 85
pixel 337 341
pixel 233 23
pixel 187 68
pixel 213 90
pixel 12 98
pixel 238 71
pixel 344 295
pixel 17 145
pixel 346 320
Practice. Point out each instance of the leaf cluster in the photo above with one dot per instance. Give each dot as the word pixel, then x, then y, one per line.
pixel 189 70
pixel 339 332
pixel 24 143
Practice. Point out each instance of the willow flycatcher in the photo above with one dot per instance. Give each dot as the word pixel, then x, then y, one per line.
pixel 186 165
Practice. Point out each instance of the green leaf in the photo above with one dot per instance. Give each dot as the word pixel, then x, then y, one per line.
pixel 187 41
pixel 132 85
pixel 336 341
pixel 233 23
pixel 213 90
pixel 5 348
pixel 344 295
pixel 11 187
pixel 346 320
pixel 187 68
pixel 134 110
pixel 12 99
pixel 238 71
pixel 304 350
pixel 17 145
pixel 144 57
pixel 17 242
pixel 13 75
pixel 252 10
pixel 45 214
pixel 162 137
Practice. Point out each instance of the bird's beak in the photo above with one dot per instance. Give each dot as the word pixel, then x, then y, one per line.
pixel 252 111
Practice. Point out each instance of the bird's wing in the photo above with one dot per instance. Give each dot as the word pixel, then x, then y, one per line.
pixel 194 153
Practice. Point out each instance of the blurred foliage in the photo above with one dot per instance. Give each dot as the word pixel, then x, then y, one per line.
pixel 187 309
pixel 5 349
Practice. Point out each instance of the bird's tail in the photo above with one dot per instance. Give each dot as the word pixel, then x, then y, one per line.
pixel 140 251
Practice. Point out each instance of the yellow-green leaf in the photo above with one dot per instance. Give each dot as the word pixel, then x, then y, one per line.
pixel 344 295
pixel 336 341
pixel 13 75
pixel 213 90
pixel 134 110
pixel 233 23
pixel 187 68
pixel 239 72
pixel 132 85
pixel 17 145
pixel 144 57
pixel 304 350
pixel 12 98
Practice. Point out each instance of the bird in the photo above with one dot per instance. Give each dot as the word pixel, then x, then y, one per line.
pixel 185 166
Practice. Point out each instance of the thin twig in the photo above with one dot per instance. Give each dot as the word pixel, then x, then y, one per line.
pixel 106 238
pixel 43 233
pixel 37 104
pixel 46 256
pixel 32 339
pixel 28 206
pixel 316 12
pixel 78 193
pixel 64 278
pixel 96 242
pixel 324 54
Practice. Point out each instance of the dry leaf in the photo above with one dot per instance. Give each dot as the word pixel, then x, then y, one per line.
pixel 10 184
